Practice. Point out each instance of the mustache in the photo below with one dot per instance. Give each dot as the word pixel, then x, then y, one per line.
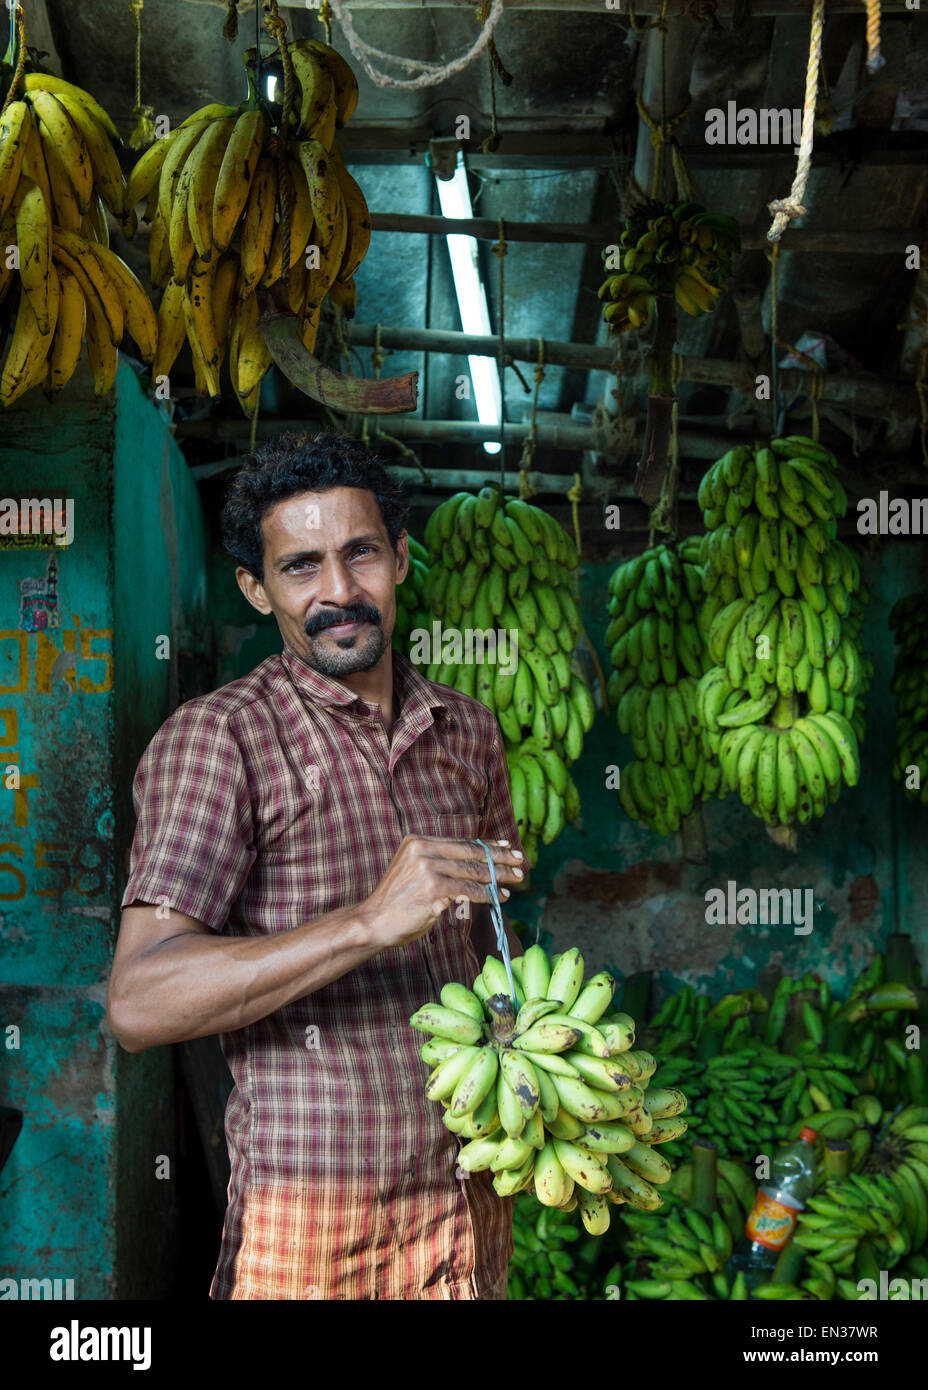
pixel 361 613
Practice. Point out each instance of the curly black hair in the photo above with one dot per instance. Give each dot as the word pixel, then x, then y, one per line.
pixel 294 463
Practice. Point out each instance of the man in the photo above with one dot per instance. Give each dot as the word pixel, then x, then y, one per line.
pixel 300 882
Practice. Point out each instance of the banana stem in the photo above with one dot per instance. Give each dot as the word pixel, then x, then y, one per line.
pixel 652 469
pixel 795 1029
pixel 705 1177
pixel 786 1270
pixel 836 1158
pixel 901 962
pixel 636 993
pixel 693 835
pixel 784 712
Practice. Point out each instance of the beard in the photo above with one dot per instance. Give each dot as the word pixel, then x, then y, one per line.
pixel 341 656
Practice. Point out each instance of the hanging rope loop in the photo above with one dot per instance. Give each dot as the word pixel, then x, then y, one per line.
pixel 427 74
pixel 785 209
pixel 875 59
pixel 144 132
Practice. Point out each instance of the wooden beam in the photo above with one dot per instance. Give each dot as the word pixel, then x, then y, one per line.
pixel 760 9
pixel 863 242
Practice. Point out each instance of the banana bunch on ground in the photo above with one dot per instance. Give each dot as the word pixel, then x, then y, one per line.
pixel 658 657
pixel 501 565
pixel 858 1224
pixel 679 1247
pixel 665 246
pixel 410 608
pixel 59 172
pixel 547 1088
pixel 229 197
pixel 543 1265
pixel 781 627
pixel 909 622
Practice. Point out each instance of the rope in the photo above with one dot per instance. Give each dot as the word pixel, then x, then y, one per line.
pixel 875 59
pixel 529 442
pixel 525 487
pixel 661 133
pixel 378 357
pixel 574 497
pixel 499 250
pixel 428 74
pixel 659 22
pixel 21 59
pixel 815 395
pixel 785 209
pixel 495 65
pixel 325 18
pixel 144 132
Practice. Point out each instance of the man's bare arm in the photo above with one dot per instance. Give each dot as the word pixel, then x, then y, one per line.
pixel 173 979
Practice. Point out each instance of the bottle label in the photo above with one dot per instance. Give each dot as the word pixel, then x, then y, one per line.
pixel 770 1223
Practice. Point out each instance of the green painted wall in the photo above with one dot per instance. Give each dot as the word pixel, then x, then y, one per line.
pixel 78 702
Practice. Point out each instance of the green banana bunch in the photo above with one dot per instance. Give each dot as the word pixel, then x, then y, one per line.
pixel 657 657
pixel 543 1265
pixel 547 1087
pixel 410 607
pixel 781 707
pixel 681 1245
pixel 864 1207
pixel 498 564
pixel 909 622
pixel 668 246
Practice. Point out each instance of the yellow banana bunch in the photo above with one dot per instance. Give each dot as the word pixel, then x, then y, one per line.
pixel 227 195
pixel 663 247
pixel 59 175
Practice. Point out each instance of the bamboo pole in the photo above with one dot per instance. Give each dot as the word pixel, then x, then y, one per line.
pixel 874 242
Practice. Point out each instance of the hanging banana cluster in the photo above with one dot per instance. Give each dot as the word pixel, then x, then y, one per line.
pixel 499 564
pixel 548 1099
pixel 909 621
pixel 782 621
pixel 410 606
pixel 59 171
pixel 228 197
pixel 658 658
pixel 667 247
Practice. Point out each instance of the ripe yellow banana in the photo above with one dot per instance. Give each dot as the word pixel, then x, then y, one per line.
pixel 344 295
pixel 182 141
pixel 46 81
pixel 180 238
pixel 69 330
pixel 33 166
pixel 172 329
pixel 105 167
pixel 159 251
pixel 200 317
pixel 15 126
pixel 249 357
pixel 34 239
pixel 78 256
pixel 58 132
pixel 343 78
pixel 359 220
pixel 146 173
pixel 330 230
pixel 309 327
pixel 301 224
pixel 225 287
pixel 139 316
pixel 101 352
pixel 236 174
pixel 27 357
pixel 258 225
pixel 65 208
pixel 205 162
pixel 318 109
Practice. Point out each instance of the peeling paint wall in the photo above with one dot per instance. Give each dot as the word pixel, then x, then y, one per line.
pixel 80 695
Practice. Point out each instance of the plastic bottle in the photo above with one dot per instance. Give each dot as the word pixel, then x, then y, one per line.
pixel 772 1219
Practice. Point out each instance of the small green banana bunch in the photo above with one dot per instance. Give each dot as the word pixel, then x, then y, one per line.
pixel 548 1100
pixel 909 622
pixel 730 1098
pixel 781 621
pixel 542 1264
pixel 680 1246
pixel 501 565
pixel 410 607
pixel 863 1207
pixel 901 1154
pixel 665 246
pixel 657 657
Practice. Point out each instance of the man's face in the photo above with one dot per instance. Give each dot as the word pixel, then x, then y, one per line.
pixel 330 577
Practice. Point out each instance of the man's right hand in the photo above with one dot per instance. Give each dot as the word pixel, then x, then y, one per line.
pixel 426 875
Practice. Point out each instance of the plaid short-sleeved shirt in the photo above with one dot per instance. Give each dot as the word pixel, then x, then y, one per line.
pixel 265 804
